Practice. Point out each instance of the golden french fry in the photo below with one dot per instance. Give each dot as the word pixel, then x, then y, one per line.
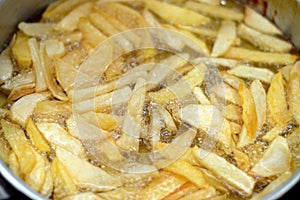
pixel 63 182
pixel 225 38
pixel 227 171
pixel 251 72
pixel 260 98
pixel 249 112
pixel 70 21
pixel 4 150
pixel 175 14
pixel 90 32
pixel 243 161
pixel 57 136
pixel 184 190
pixel 268 165
pixel 162 186
pixel 233 112
pixel 260 57
pixel 36 137
pixel 259 22
pixel 263 41
pixel 215 11
pixel 274 132
pixel 276 100
pixel 14 164
pixel 187 170
pixel 293 96
pixel 21 50
pixel 20 145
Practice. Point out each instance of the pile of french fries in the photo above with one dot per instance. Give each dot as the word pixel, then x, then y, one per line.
pixel 214 88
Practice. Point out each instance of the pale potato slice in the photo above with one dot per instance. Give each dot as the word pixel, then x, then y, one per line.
pixel 90 32
pixel 84 195
pixel 181 88
pixel 40 82
pixel 86 175
pixel 59 9
pixel 260 57
pixel 187 170
pixel 249 112
pixel 263 41
pixel 242 160
pixel 201 194
pixel 36 29
pixel 200 96
pixel 57 136
pixel 225 170
pixel 20 145
pixel 251 72
pixel 48 74
pixel 260 98
pixel 63 182
pixel 225 38
pixel 70 21
pixel 215 11
pixel 293 96
pixel 21 50
pixel 36 137
pixel 4 150
pixel 55 48
pixel 22 109
pixel 105 101
pixel 175 14
pixel 268 165
pixel 184 190
pixel 162 186
pixel 276 100
pixel 273 185
pixel 259 22
pixel 274 132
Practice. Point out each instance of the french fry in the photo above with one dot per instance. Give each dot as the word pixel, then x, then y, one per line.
pixel 4 150
pixel 6 65
pixel 63 182
pixel 185 169
pixel 14 164
pixel 90 32
pixel 57 136
pixel 211 2
pixel 21 91
pixel 21 50
pixel 233 112
pixel 293 96
pixel 20 145
pixel 84 195
pixel 86 175
pixel 176 15
pixel 215 11
pixel 105 121
pixel 260 99
pixel 70 21
pixel 184 190
pixel 227 171
pixel 249 112
pixel 36 29
pixel 243 161
pixel 268 165
pixel 51 110
pixel 48 186
pixel 263 41
pixel 225 38
pixel 162 186
pixel 260 23
pixel 276 100
pixel 251 72
pixel 227 93
pixel 40 83
pixel 200 96
pixel 36 137
pixel 232 80
pixel 260 57
pixel 274 132
pixel 199 31
pixel 201 194
pixel 54 48
pixel 23 108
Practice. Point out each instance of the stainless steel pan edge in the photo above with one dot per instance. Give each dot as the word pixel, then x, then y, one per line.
pixel 284 13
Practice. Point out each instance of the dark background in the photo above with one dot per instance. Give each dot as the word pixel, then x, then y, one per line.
pixel 14 194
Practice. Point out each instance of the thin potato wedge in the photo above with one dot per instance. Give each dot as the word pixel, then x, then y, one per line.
pixel 185 169
pixel 260 57
pixel 249 112
pixel 175 14
pixel 215 11
pixel 225 38
pixel 36 29
pixel 277 101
